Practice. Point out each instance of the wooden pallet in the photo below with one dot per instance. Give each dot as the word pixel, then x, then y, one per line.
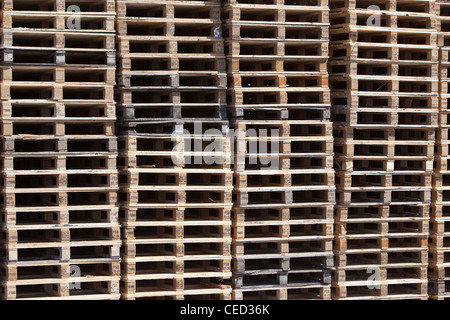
pixel 78 217
pixel 343 100
pixel 423 31
pixel 288 97
pixel 172 80
pixel 223 294
pixel 143 252
pixel 385 149
pixel 387 165
pixel 148 150
pixel 377 118
pixel 315 251
pixel 277 11
pixel 300 292
pixel 58 56
pixel 53 40
pixel 35 235
pixel 251 265
pixel 316 112
pixel 56 145
pixel 162 216
pixel 91 289
pixel 24 272
pixel 212 96
pixel 368 253
pixel 282 56
pixel 368 180
pixel 360 252
pixel 62 251
pixel 291 278
pixel 59 74
pixel 379 245
pixel 292 230
pixel 360 228
pixel 187 178
pixel 95 93
pixel 165 112
pixel 70 112
pixel 102 6
pixel 344 213
pixel 402 290
pixel 393 5
pixel 353 275
pixel 177 290
pixel 56 22
pixel 285 197
pixel 380 196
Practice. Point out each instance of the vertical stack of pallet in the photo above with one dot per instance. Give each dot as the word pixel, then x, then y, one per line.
pixel 277 54
pixel 59 214
pixel 175 174
pixel 384 83
pixel 440 219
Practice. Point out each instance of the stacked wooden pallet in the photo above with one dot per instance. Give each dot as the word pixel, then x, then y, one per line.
pixel 438 244
pixel 384 81
pixel 60 228
pixel 175 175
pixel 284 182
